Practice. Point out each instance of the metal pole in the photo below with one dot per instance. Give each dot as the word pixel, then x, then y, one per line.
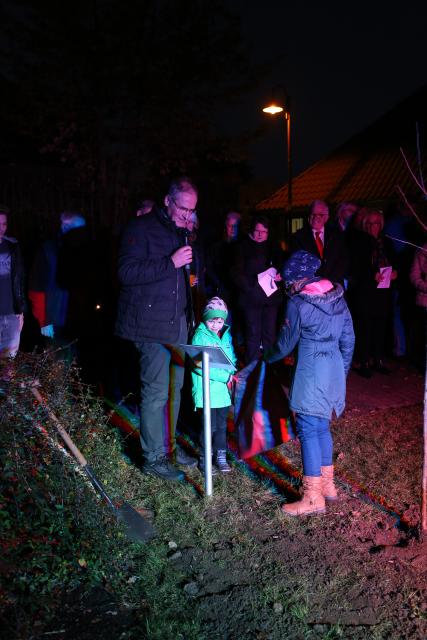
pixel 289 150
pixel 207 432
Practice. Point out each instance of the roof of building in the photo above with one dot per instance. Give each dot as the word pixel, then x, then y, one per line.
pixel 368 167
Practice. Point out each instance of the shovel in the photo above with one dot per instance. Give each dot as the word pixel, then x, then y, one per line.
pixel 138 528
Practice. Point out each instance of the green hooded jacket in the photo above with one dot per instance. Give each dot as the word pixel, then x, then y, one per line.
pixel 220 395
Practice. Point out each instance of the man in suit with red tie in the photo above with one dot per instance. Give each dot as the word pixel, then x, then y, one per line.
pixel 323 240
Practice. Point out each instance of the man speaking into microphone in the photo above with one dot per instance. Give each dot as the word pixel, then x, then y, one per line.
pixel 154 311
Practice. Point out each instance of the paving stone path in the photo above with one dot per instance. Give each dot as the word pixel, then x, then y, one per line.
pixel 404 386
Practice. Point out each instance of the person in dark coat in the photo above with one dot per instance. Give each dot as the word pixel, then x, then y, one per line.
pixel 401 227
pixel 154 312
pixel 370 303
pixel 221 258
pixel 418 278
pixel 254 255
pixel 143 207
pixel 324 240
pixel 344 214
pixel 12 297
pixel 318 322
pixel 81 270
pixel 48 299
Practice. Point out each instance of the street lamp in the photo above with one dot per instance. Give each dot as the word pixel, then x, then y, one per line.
pixel 274 108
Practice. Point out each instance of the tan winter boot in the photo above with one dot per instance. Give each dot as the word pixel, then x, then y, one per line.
pixel 312 502
pixel 328 488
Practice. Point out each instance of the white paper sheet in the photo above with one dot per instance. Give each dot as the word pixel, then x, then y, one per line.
pixel 266 281
pixel 385 282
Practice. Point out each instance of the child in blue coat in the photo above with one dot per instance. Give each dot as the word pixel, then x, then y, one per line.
pixel 213 331
pixel 319 324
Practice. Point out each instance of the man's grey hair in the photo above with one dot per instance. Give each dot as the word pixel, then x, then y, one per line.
pixel 313 204
pixel 182 185
pixel 343 205
pixel 232 215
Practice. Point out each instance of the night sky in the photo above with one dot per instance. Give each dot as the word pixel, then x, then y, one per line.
pixel 344 65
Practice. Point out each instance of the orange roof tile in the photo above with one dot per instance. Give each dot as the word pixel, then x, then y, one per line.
pixel 368 167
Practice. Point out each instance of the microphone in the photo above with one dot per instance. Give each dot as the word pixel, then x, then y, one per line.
pixel 187 242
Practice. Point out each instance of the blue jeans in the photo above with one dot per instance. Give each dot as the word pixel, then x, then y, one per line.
pixel 316 443
pixel 10 333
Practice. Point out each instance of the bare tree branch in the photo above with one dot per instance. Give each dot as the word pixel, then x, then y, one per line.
pixel 406 242
pixel 420 186
pixel 410 207
pixel 419 157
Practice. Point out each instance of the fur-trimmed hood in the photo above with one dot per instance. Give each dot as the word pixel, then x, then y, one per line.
pixel 331 302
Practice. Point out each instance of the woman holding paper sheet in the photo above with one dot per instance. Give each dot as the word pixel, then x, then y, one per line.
pixel 369 292
pixel 259 297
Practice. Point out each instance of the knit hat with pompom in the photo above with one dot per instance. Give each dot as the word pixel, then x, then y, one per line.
pixel 300 269
pixel 215 308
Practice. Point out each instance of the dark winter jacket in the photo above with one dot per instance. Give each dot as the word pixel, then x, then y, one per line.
pixel 367 256
pixel 154 294
pixel 49 301
pixel 17 275
pixel 220 260
pixel 253 258
pixel 81 272
pixel 334 265
pixel 321 325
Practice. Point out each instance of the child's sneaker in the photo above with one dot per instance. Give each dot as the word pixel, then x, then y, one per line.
pixel 221 461
pixel 201 466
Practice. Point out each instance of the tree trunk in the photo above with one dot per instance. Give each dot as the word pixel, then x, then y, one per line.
pixel 424 488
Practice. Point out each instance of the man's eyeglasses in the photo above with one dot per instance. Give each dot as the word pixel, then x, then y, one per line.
pixel 185 210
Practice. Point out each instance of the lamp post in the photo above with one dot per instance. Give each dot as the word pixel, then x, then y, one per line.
pixel 273 109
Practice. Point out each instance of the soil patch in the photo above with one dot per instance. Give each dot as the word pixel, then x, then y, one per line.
pixel 357 572
pixel 225 568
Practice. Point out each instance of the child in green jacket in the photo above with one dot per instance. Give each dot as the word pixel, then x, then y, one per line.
pixel 213 331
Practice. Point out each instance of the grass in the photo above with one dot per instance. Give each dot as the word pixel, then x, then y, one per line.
pixel 258 574
pixel 50 518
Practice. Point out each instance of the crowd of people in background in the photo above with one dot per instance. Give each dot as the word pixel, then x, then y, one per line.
pixel 128 327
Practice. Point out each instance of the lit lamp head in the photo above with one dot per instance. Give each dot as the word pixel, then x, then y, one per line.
pixel 272 109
